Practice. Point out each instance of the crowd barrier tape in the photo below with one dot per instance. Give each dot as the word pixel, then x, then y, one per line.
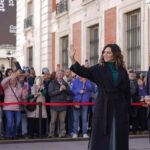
pixel 55 104
pixel 138 104
pixel 62 104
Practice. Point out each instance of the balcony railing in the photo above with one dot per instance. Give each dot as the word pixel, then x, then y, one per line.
pixel 28 22
pixel 61 7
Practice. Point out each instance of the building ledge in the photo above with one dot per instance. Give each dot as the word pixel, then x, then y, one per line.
pixel 85 2
pixel 61 14
pixel 28 29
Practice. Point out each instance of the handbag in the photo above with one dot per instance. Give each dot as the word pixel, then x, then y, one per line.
pixel 32 108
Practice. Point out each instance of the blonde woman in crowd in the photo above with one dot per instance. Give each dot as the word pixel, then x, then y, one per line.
pixel 37 94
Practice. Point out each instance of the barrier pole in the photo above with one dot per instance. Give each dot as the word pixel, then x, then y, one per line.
pixel 40 119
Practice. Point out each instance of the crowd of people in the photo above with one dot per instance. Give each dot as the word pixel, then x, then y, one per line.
pixel 22 85
pixel 138 91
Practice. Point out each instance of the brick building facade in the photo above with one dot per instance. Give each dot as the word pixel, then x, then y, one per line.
pixel 88 24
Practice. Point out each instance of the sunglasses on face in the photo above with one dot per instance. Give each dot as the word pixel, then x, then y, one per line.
pixel 44 73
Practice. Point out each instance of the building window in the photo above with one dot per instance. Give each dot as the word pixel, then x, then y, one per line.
pixel 30 56
pixel 28 21
pixel 62 6
pixel 29 8
pixel 94 40
pixel 134 40
pixel 64 41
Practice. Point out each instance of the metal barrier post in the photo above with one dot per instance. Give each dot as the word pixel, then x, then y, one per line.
pixel 40 119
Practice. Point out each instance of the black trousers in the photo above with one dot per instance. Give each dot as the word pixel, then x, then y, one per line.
pixel 33 127
pixel 149 127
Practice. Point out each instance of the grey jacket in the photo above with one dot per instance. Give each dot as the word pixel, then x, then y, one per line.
pixel 58 96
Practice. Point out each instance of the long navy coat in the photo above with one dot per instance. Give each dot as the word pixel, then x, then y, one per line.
pixel 112 98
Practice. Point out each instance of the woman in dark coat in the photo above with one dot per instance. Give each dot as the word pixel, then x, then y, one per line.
pixel 110 120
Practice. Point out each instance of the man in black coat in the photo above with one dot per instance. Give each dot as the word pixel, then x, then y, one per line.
pixel 135 110
pixel 58 91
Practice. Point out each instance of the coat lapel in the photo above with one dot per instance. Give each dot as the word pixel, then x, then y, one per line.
pixel 120 76
pixel 108 74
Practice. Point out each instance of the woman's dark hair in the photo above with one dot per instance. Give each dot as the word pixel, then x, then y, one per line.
pixel 117 55
pixel 7 71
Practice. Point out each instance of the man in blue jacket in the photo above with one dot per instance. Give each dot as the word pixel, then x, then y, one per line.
pixel 81 89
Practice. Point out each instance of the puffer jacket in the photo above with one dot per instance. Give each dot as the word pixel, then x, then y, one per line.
pixel 78 85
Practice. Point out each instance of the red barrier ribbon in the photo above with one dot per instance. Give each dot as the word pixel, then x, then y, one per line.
pixel 62 104
pixel 17 103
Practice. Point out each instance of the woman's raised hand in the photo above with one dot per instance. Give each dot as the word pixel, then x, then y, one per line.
pixel 72 52
pixel 14 75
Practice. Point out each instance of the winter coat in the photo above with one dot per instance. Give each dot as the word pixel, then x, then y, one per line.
pixel 135 97
pixel 58 96
pixel 112 98
pixel 40 98
pixel 142 91
pixel 78 85
pixel 9 95
pixel 46 84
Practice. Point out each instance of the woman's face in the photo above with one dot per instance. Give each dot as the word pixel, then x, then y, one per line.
pixel 108 55
pixel 46 76
pixel 32 73
pixel 10 72
pixel 140 82
pixel 13 82
pixel 59 75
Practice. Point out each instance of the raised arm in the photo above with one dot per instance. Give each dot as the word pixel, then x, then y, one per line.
pixel 81 70
pixel 5 81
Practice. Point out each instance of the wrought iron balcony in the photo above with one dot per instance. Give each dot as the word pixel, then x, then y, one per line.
pixel 61 7
pixel 28 22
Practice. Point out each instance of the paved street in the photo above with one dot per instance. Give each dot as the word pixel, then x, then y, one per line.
pixel 135 144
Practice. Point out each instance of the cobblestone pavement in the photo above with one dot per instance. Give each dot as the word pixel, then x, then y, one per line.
pixel 135 144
